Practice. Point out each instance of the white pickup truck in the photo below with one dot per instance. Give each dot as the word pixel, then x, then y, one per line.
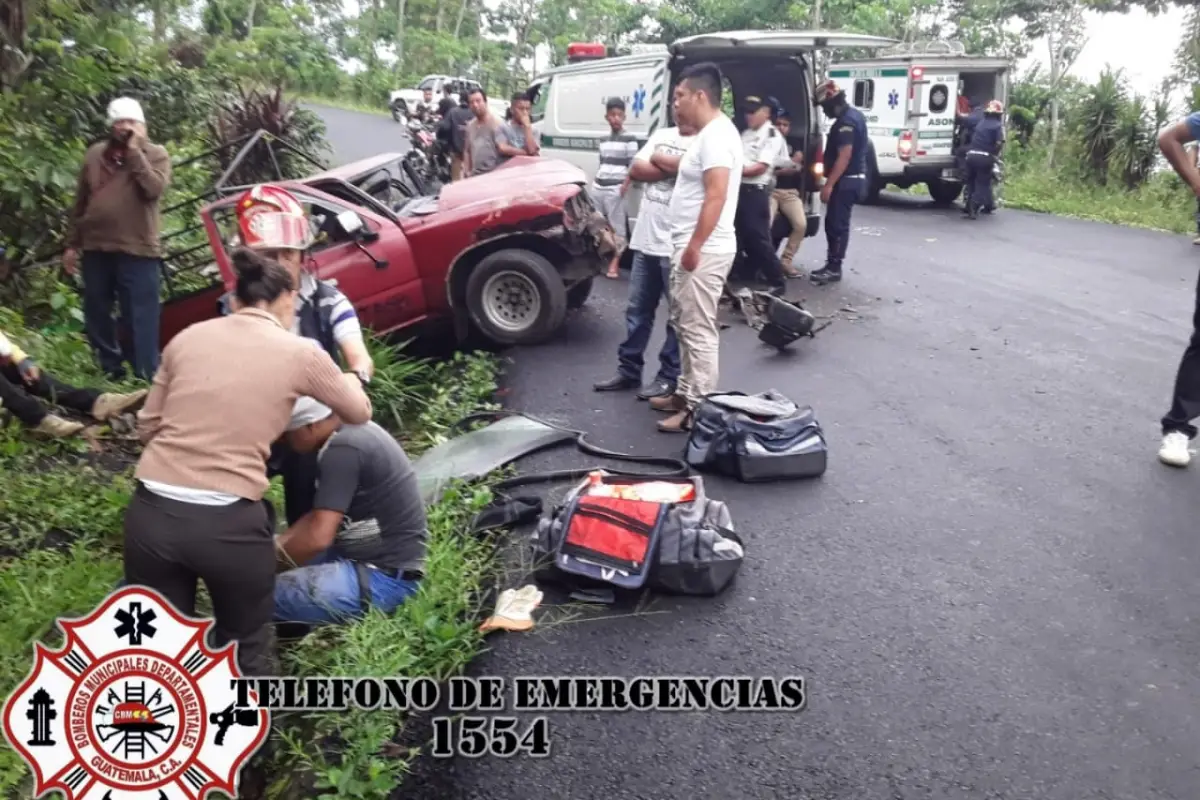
pixel 404 101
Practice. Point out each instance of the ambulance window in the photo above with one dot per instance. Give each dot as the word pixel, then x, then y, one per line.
pixel 428 83
pixel 864 93
pixel 539 96
pixel 939 98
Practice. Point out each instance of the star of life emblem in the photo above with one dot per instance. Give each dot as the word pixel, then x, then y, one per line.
pixel 134 706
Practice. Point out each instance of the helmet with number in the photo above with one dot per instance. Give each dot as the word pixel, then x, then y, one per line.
pixel 826 90
pixel 271 218
pixel 994 107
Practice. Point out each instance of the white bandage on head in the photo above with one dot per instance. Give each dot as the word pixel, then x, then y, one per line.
pixel 307 411
pixel 125 108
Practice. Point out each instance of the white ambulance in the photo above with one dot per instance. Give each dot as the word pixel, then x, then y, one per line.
pixel 569 101
pixel 910 95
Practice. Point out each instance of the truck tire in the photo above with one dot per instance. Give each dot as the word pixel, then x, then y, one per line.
pixel 578 294
pixel 516 297
pixel 944 192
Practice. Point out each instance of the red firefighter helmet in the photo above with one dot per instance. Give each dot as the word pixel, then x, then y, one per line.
pixel 271 218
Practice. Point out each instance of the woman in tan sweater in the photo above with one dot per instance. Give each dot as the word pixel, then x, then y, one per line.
pixel 223 393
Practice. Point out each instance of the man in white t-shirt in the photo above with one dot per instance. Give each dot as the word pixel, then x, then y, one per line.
pixel 651 271
pixel 701 213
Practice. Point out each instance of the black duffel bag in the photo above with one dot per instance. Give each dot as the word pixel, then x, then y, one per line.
pixel 753 438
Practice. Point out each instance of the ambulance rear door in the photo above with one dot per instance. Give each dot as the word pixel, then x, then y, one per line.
pixel 934 101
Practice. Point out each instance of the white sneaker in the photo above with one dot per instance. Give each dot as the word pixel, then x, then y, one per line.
pixel 1174 451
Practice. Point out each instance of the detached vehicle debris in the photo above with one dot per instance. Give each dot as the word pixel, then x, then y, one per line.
pixel 506 253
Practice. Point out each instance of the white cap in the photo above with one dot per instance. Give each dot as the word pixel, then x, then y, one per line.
pixel 125 108
pixel 307 411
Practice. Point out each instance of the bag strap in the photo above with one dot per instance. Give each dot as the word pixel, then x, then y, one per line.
pixel 632 524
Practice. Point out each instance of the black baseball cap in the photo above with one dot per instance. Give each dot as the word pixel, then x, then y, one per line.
pixel 754 103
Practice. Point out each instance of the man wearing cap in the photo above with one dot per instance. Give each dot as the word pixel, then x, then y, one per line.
pixel 762 148
pixel 363 544
pixel 115 226
pixel 845 175
pixel 272 221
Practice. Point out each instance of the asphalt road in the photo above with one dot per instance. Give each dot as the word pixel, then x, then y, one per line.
pixel 992 591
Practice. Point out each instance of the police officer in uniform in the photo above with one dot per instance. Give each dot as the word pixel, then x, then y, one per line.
pixel 272 221
pixel 845 176
pixel 985 145
pixel 763 146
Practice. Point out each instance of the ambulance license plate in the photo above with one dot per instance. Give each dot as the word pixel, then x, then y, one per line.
pixel 950 174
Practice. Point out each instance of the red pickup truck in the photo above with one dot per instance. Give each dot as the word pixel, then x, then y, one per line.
pixel 507 253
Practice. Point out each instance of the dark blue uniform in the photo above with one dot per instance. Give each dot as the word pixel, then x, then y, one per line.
pixel 981 160
pixel 850 128
pixel 967 125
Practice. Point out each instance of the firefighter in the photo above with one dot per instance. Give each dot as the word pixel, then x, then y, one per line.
pixel 986 142
pixel 271 221
pixel 845 175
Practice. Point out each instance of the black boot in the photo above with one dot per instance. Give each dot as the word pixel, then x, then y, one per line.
pixel 617 383
pixel 830 273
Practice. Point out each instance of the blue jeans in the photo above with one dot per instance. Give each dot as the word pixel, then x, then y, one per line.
pixel 326 591
pixel 649 280
pixel 132 283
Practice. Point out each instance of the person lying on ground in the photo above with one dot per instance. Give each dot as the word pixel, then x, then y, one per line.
pixel 223 394
pixel 364 541
pixel 23 386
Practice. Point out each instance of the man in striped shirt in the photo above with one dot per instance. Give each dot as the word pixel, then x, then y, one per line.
pixel 612 178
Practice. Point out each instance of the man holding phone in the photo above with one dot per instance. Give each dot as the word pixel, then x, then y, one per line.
pixel 114 226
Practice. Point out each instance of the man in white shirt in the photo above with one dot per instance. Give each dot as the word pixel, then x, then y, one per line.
pixel 762 148
pixel 650 274
pixel 704 245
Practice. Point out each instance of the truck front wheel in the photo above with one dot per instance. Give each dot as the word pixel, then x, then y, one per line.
pixel 516 297
pixel 944 192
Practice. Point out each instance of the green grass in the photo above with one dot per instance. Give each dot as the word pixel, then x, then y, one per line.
pixel 348 105
pixel 1162 204
pixel 60 535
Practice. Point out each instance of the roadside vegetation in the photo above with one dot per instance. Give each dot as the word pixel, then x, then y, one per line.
pixel 1104 163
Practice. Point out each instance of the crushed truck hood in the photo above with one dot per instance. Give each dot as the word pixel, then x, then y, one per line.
pixel 521 175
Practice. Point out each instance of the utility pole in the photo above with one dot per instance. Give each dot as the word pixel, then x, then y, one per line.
pixel 817 16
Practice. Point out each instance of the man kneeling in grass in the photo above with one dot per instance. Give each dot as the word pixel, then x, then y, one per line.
pixel 363 544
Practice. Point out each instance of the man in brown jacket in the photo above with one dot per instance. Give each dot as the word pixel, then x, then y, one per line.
pixel 115 225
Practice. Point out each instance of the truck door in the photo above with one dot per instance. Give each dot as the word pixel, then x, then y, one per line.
pixel 387 295
pixel 935 96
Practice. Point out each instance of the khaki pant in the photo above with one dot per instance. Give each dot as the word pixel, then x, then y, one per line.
pixel 788 201
pixel 456 166
pixel 694 297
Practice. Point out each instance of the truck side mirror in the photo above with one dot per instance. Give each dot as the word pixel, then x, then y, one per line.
pixel 351 224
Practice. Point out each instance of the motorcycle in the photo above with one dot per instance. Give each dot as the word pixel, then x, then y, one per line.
pixel 426 162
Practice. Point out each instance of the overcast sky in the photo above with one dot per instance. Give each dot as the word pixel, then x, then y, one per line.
pixel 1144 46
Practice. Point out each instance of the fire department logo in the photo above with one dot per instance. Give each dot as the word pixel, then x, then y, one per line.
pixel 135 706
